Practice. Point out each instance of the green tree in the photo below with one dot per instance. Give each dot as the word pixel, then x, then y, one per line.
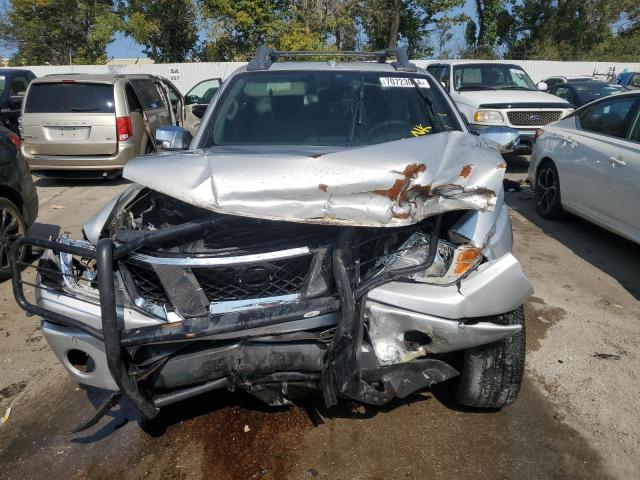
pixel 470 35
pixel 168 29
pixel 569 29
pixel 60 31
pixel 390 22
pixel 488 11
pixel 237 27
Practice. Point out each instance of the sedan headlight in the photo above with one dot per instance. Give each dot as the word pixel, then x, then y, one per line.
pixel 488 116
pixel 450 264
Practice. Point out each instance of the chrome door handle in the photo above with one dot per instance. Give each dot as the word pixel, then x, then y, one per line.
pixel 617 161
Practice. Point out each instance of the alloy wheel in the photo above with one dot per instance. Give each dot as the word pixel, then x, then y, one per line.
pixel 546 193
pixel 11 227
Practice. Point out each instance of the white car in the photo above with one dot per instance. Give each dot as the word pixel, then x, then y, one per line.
pixel 589 164
pixel 490 94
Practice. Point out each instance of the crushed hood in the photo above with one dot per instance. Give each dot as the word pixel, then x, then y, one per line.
pixel 390 184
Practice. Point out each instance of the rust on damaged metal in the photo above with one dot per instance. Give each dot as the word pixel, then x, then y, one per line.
pixel 466 170
pixel 384 185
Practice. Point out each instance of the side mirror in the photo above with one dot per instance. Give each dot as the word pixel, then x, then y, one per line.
pixel 191 100
pixel 507 138
pixel 172 137
pixel 542 86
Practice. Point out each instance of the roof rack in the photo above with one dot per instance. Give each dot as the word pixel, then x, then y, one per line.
pixel 266 56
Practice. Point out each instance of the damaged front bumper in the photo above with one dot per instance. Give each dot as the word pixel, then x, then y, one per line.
pixel 369 341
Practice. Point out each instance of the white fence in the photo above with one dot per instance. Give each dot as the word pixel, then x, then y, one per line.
pixel 183 75
pixel 186 75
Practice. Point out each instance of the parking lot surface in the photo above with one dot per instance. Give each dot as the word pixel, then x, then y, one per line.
pixel 578 415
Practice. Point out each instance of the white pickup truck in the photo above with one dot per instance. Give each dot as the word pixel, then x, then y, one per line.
pixel 490 94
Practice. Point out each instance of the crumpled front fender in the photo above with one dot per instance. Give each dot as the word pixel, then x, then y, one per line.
pixel 496 287
pixel 438 316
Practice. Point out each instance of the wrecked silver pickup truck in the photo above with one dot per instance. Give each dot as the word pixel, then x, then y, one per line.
pixel 333 226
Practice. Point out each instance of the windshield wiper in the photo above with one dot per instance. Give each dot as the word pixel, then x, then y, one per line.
pixel 429 103
pixel 84 109
pixel 357 114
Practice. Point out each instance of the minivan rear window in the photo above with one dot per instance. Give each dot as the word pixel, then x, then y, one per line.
pixel 70 97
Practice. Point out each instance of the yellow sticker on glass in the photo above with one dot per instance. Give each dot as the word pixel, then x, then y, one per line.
pixel 420 130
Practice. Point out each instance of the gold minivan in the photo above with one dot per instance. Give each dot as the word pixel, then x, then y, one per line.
pixel 92 124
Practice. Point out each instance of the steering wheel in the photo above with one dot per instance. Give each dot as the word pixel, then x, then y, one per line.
pixel 386 125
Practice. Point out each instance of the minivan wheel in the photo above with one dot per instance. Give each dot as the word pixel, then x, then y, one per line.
pixel 547 192
pixel 491 374
pixel 12 225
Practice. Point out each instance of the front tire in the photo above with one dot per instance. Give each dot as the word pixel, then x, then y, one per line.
pixel 547 192
pixel 12 225
pixel 492 374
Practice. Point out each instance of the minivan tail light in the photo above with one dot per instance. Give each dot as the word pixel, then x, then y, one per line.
pixel 124 130
pixel 15 139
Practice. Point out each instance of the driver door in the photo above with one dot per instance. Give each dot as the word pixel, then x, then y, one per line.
pixel 608 176
pixel 196 102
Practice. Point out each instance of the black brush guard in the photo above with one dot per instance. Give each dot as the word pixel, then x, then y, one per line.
pixel 341 376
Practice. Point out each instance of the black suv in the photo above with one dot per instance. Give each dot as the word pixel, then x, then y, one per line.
pixel 18 197
pixel 13 86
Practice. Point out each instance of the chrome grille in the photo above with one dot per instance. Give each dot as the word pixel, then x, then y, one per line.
pixel 147 283
pixel 532 118
pixel 231 282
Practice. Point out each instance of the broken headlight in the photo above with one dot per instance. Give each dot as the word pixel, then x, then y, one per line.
pixel 451 262
pixel 69 273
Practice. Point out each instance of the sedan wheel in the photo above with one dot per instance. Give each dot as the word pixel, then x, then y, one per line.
pixel 12 226
pixel 547 192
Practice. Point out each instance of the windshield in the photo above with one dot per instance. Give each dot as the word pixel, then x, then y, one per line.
pixel 491 77
pixel 327 109
pixel 593 92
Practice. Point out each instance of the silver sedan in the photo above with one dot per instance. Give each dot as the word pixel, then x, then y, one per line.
pixel 589 164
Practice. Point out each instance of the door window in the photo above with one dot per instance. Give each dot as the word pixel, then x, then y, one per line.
pixel 611 118
pixel 148 94
pixel 441 73
pixel 634 134
pixel 19 85
pixel 203 92
pixel 174 98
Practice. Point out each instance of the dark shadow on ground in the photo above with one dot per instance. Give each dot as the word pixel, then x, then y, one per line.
pixel 517 163
pixel 47 182
pixel 612 254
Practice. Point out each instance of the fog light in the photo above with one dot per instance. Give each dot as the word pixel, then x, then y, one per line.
pixel 81 361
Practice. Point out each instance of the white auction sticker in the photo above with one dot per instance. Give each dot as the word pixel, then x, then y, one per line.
pixel 403 82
